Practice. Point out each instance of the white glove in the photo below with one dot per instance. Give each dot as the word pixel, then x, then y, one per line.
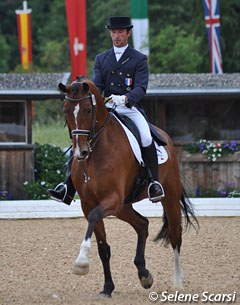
pixel 118 99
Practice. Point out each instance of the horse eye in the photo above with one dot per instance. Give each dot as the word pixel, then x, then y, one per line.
pixel 89 110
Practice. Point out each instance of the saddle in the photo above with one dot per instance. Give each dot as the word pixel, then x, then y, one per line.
pixel 142 178
pixel 134 130
pixel 130 125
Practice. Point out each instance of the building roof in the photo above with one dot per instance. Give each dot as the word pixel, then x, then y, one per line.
pixel 194 84
pixel 40 86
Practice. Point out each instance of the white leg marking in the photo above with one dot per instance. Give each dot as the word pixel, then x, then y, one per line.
pixel 81 266
pixel 178 274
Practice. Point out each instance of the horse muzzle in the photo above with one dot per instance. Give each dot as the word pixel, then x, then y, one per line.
pixel 81 152
pixel 81 155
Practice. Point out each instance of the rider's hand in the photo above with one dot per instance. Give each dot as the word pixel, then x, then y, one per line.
pixel 118 99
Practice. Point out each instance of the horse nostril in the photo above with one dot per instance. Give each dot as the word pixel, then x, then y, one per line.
pixel 84 154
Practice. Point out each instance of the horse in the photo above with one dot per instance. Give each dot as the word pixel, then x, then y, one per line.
pixel 104 171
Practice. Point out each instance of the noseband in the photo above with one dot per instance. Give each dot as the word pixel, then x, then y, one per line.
pixel 83 132
pixel 91 134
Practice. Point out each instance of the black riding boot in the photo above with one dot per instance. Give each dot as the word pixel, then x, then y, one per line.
pixel 64 191
pixel 155 189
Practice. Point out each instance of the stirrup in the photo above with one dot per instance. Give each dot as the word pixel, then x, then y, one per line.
pixel 157 198
pixel 60 185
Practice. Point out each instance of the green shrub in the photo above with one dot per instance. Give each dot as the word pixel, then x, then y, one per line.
pixel 49 170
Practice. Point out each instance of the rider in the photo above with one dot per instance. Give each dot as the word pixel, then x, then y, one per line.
pixel 122 74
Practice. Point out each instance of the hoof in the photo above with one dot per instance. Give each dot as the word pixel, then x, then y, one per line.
pixel 178 285
pixel 103 294
pixel 81 269
pixel 146 282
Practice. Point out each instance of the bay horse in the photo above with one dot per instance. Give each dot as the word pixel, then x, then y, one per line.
pixel 104 170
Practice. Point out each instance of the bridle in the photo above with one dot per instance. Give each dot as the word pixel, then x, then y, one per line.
pixel 91 134
pixel 82 132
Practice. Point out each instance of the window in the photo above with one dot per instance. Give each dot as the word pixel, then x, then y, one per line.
pixel 190 120
pixel 13 122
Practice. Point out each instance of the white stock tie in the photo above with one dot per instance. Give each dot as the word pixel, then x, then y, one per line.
pixel 118 55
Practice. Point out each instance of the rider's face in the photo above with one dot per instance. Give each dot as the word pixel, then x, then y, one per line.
pixel 120 37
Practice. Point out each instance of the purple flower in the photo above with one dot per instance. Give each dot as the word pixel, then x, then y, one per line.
pixel 201 147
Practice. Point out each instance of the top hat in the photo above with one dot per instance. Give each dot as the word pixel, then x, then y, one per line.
pixel 119 22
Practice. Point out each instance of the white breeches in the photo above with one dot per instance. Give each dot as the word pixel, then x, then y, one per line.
pixel 135 115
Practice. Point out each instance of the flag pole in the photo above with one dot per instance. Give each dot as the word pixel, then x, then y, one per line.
pixel 24 35
pixel 140 21
pixel 76 21
pixel 212 21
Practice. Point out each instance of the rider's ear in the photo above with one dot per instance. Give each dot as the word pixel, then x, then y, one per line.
pixel 62 87
pixel 85 87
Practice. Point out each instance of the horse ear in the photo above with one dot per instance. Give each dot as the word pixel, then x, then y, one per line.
pixel 85 87
pixel 62 87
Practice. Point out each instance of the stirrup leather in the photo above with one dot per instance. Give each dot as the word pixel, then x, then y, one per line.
pixel 60 185
pixel 154 199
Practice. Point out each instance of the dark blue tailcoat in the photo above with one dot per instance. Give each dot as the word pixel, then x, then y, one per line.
pixel 128 76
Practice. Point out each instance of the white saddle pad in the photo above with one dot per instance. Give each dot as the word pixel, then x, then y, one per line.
pixel 161 151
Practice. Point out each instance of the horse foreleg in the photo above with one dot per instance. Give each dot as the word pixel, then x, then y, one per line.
pixel 140 225
pixel 81 266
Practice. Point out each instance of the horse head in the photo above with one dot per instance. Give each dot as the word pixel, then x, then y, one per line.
pixel 85 114
pixel 80 103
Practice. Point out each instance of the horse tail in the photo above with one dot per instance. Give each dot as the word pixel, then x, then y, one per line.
pixel 164 233
pixel 188 211
pixel 190 217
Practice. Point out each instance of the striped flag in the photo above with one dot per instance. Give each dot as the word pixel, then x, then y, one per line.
pixel 212 20
pixel 25 35
pixel 139 17
pixel 76 20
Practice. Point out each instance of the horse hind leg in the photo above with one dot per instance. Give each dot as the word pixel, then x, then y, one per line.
pixel 105 255
pixel 171 232
pixel 140 225
pixel 175 237
pixel 178 274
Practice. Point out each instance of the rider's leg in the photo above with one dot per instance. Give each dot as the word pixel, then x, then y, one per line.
pixel 64 191
pixel 155 189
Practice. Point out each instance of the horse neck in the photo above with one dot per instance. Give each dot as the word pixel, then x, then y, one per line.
pixel 101 110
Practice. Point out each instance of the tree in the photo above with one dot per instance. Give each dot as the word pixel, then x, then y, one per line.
pixel 54 56
pixel 98 12
pixel 173 50
pixel 8 28
pixel 5 54
pixel 49 25
pixel 230 40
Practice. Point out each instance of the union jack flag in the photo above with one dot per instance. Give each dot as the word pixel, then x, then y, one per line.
pixel 212 20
